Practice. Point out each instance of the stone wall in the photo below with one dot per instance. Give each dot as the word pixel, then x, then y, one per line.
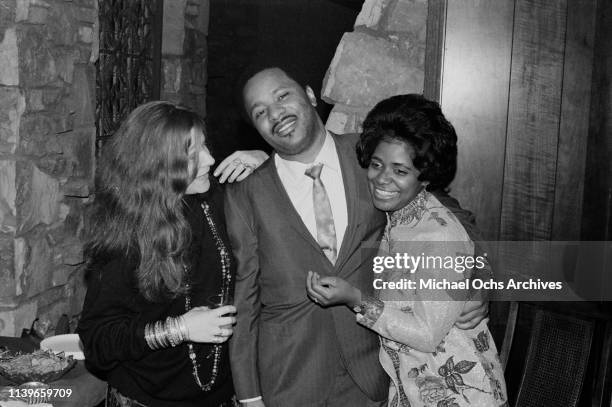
pixel 47 134
pixel 47 141
pixel 184 53
pixel 382 57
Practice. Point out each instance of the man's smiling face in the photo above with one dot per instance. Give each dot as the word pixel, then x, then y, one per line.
pixel 282 112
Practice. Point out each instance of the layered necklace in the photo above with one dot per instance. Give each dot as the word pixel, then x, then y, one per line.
pixel 226 279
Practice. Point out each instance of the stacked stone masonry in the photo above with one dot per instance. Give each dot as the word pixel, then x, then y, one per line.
pixel 184 53
pixel 382 57
pixel 47 131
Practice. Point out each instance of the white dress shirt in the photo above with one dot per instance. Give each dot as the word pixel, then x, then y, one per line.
pixel 299 188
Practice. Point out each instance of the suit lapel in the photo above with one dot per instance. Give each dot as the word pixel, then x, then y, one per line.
pixel 353 190
pixel 292 216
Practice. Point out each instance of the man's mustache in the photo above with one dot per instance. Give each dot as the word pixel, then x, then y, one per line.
pixel 282 121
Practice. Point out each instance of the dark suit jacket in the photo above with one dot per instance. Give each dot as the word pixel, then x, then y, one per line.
pixel 285 347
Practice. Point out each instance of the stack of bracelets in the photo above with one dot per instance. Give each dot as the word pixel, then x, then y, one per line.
pixel 162 334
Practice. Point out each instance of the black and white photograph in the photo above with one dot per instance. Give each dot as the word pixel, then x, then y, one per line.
pixel 306 203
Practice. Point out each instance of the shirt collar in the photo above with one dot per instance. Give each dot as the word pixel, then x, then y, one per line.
pixel 412 211
pixel 328 156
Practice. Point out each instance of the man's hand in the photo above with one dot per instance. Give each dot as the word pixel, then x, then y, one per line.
pixel 328 291
pixel 239 165
pixel 256 403
pixel 473 313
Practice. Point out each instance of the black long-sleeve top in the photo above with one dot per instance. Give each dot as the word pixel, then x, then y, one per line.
pixel 115 314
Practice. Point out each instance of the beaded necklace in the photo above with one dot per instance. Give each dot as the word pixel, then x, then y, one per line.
pixel 226 279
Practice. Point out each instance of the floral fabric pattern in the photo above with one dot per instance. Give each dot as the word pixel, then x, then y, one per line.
pixel 461 368
pixel 371 310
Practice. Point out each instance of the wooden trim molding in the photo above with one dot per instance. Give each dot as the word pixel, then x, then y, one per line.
pixel 434 49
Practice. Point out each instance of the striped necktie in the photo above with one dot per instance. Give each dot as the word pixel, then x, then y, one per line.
pixel 326 231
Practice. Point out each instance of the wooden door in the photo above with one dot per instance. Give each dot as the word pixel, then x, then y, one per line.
pixel 515 80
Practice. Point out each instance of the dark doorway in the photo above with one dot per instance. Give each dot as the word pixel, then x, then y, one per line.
pixel 301 34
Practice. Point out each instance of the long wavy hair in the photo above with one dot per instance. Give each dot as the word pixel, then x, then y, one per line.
pixel 138 211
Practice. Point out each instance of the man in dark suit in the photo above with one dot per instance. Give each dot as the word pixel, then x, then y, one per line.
pixel 286 350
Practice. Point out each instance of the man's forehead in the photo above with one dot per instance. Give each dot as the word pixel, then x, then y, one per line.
pixel 269 80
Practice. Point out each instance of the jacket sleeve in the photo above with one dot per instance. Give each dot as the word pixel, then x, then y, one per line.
pixel 468 221
pixel 111 329
pixel 423 323
pixel 244 342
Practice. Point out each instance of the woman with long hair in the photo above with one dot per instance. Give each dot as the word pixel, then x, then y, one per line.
pixel 158 251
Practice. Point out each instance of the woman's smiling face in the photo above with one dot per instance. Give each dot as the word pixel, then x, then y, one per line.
pixel 392 177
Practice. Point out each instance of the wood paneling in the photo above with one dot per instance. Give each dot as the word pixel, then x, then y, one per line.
pixel 475 85
pixel 573 131
pixel 434 49
pixel 533 120
pixel 515 83
pixel 597 213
